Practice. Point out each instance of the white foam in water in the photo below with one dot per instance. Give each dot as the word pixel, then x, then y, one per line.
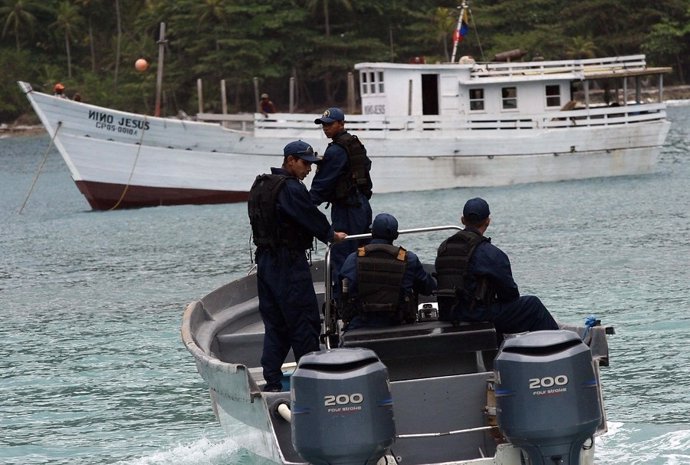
pixel 644 444
pixel 202 451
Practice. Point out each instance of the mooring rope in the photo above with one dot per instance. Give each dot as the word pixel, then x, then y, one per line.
pixel 131 174
pixel 40 167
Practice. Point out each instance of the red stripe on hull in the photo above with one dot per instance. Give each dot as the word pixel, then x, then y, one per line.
pixel 104 196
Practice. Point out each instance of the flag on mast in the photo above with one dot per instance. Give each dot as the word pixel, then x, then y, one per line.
pixel 462 28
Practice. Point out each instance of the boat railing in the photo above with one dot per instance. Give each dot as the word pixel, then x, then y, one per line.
pixel 330 328
pixel 493 69
pixel 380 126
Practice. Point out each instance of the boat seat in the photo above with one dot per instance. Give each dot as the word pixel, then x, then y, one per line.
pixel 243 349
pixel 429 349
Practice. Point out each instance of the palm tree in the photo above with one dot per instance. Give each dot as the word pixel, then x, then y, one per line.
pixel 444 24
pixel 313 4
pixel 68 21
pixel 89 6
pixel 17 16
pixel 581 47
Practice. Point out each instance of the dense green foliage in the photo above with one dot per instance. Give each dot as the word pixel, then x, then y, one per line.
pixel 91 45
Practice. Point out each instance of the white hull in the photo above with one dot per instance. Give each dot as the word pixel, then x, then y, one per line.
pixel 138 160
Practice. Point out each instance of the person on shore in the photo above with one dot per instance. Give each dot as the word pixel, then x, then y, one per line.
pixel 284 223
pixel 343 181
pixel 475 281
pixel 266 105
pixel 380 282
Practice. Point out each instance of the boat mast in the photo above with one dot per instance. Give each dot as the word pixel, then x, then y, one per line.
pixel 460 29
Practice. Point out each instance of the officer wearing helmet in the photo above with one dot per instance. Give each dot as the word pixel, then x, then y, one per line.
pixel 380 282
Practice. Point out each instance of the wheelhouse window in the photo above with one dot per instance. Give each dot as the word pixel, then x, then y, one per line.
pixel 553 96
pixel 476 99
pixel 509 98
pixel 372 82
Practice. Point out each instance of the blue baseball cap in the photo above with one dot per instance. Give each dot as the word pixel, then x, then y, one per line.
pixel 476 209
pixel 385 226
pixel 301 149
pixel 331 115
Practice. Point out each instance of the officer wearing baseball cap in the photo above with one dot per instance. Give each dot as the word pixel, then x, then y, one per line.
pixel 343 182
pixel 475 281
pixel 284 223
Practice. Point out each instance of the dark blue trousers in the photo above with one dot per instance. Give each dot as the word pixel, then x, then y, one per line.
pixel 351 220
pixel 289 309
pixel 526 313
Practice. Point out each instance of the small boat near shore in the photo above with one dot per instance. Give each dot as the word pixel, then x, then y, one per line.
pixel 425 126
pixel 425 393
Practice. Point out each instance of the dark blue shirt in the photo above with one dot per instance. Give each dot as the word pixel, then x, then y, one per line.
pixel 333 165
pixel 295 203
pixel 489 260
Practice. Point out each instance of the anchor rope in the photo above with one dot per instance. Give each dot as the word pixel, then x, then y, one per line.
pixel 131 174
pixel 40 166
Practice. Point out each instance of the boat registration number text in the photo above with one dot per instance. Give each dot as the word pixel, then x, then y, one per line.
pixel 121 125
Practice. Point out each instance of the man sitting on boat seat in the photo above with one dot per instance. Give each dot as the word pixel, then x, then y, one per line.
pixel 380 281
pixel 475 281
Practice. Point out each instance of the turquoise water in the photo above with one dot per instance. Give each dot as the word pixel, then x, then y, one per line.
pixel 92 369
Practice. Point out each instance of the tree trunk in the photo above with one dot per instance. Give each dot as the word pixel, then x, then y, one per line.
pixel 119 40
pixel 93 48
pixel 69 56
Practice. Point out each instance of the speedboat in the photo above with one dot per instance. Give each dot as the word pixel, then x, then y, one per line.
pixel 428 392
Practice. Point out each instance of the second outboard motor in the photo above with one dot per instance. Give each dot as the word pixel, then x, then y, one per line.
pixel 342 411
pixel 547 395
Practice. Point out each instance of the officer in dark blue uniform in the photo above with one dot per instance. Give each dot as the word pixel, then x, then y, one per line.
pixel 479 276
pixel 380 282
pixel 343 180
pixel 284 222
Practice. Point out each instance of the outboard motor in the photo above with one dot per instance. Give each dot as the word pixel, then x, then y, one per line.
pixel 547 395
pixel 342 411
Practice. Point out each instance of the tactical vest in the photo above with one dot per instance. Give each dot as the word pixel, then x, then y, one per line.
pixel 453 269
pixel 357 176
pixel 380 272
pixel 268 230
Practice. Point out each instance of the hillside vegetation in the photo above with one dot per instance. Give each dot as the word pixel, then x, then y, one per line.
pixel 91 45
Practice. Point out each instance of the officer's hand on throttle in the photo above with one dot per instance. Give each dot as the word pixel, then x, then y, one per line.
pixel 339 237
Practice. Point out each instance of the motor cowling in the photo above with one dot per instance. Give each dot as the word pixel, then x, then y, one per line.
pixel 547 395
pixel 342 411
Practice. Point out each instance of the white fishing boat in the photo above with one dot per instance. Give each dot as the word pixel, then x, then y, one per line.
pixel 425 126
pixel 425 393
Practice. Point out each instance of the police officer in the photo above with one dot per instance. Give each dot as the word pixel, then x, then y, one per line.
pixel 284 222
pixel 475 281
pixel 343 180
pixel 380 281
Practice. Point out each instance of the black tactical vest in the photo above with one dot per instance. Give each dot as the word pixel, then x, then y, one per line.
pixel 268 230
pixel 357 177
pixel 453 269
pixel 380 272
